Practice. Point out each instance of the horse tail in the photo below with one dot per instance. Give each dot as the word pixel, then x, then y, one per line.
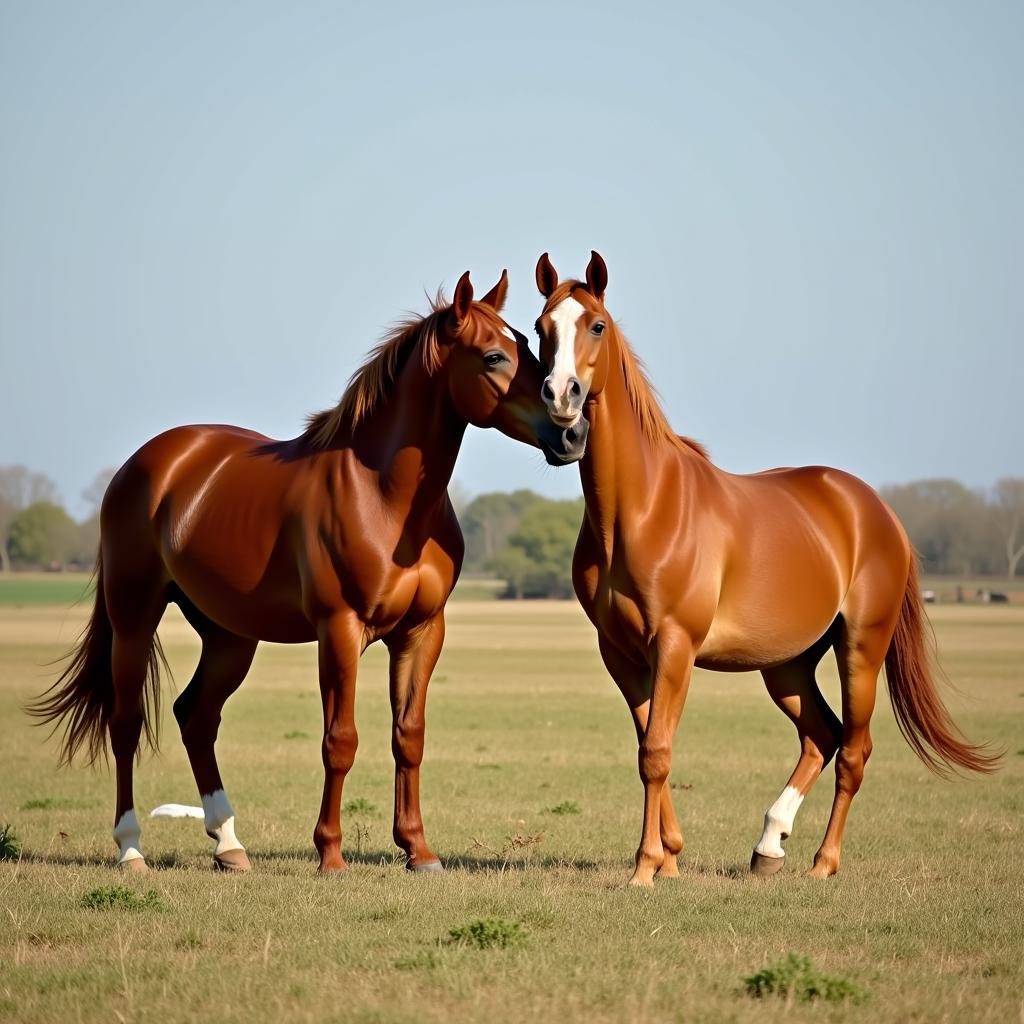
pixel 920 714
pixel 81 701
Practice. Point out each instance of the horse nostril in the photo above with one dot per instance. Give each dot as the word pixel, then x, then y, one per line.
pixel 547 392
pixel 575 388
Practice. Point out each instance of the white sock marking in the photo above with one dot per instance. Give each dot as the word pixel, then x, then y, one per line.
pixel 565 315
pixel 128 836
pixel 778 823
pixel 177 811
pixel 219 816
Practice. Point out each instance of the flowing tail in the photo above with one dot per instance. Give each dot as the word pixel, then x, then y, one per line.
pixel 82 699
pixel 920 714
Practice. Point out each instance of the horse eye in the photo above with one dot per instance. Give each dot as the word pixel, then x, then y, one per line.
pixel 493 359
pixel 597 329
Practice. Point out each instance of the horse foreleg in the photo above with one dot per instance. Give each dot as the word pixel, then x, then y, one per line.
pixel 634 683
pixel 672 670
pixel 340 644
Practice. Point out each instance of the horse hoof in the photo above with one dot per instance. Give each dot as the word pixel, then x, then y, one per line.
pixel 764 867
pixel 669 869
pixel 430 867
pixel 332 870
pixel 136 865
pixel 641 880
pixel 231 860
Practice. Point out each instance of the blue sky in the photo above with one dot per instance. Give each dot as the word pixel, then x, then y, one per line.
pixel 811 213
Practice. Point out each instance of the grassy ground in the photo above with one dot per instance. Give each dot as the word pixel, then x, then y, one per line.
pixel 925 916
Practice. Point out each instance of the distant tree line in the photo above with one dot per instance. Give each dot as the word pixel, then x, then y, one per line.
pixel 527 540
pixel 523 539
pixel 959 530
pixel 36 531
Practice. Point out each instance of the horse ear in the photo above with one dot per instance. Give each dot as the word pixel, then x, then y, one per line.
pixel 463 298
pixel 597 276
pixel 495 298
pixel 547 276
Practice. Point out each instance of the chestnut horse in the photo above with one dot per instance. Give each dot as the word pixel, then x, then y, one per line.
pixel 344 535
pixel 679 563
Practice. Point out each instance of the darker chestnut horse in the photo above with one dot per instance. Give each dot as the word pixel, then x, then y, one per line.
pixel 680 564
pixel 344 535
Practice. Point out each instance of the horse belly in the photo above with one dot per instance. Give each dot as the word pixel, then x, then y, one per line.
pixel 272 611
pixel 770 624
pixel 242 580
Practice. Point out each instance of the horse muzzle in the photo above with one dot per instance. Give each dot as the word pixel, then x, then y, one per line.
pixel 564 445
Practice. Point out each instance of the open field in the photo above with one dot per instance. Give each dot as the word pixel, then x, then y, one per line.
pixel 926 915
pixel 34 589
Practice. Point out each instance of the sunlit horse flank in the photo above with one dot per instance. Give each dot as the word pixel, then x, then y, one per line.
pixel 344 535
pixel 680 563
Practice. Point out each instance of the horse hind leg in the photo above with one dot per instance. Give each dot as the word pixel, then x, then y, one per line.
pixel 860 652
pixel 794 689
pixel 222 667
pixel 133 654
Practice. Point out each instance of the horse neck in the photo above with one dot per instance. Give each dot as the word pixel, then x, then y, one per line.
pixel 412 439
pixel 621 459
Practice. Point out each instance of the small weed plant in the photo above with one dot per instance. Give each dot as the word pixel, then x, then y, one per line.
pixel 489 933
pixel 118 897
pixel 796 978
pixel 566 807
pixel 10 844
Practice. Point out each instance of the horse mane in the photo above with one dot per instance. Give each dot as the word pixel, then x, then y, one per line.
pixel 642 394
pixel 644 400
pixel 371 383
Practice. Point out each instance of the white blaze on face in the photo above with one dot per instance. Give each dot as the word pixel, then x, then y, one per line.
pixel 219 818
pixel 778 823
pixel 564 316
pixel 128 836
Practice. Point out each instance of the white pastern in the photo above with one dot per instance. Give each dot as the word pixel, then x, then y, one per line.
pixel 565 316
pixel 778 823
pixel 128 836
pixel 219 817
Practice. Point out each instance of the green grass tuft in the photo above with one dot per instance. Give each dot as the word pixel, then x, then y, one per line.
pixel 796 977
pixel 117 897
pixel 566 807
pixel 10 844
pixel 360 805
pixel 296 734
pixel 490 933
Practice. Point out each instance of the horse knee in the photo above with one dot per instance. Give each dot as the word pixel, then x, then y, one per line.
pixel 655 760
pixel 339 748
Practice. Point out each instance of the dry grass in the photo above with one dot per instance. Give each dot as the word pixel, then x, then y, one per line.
pixel 925 916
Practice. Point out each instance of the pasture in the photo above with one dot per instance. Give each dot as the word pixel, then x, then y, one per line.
pixel 531 797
